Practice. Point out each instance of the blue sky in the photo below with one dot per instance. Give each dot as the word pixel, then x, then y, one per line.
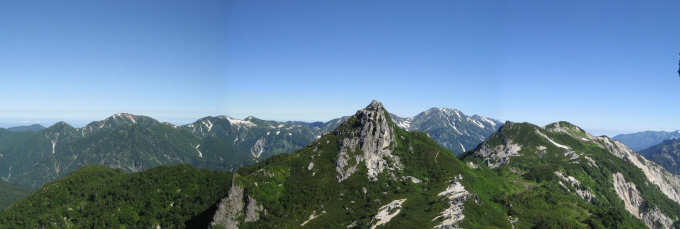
pixel 607 66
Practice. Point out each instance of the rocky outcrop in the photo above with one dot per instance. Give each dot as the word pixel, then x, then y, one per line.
pixel 253 210
pixel 633 203
pixel 386 213
pixel 657 220
pixel 235 206
pixel 581 191
pixel 656 174
pixel 500 154
pixel 374 136
pixel 229 209
pixel 453 214
pixel 666 181
pixel 259 146
pixel 628 193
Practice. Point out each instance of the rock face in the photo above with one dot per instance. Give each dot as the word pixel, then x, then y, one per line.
pixel 236 205
pixel 500 154
pixel 456 196
pixel 386 213
pixel 229 209
pixel 666 181
pixel 633 202
pixel 372 134
pixel 629 194
pixel 582 192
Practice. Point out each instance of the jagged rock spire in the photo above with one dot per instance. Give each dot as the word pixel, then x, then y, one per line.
pixel 373 134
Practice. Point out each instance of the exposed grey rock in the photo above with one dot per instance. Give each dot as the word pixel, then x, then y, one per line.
pixel 310 166
pixel 386 213
pixel 581 191
pixel 500 154
pixel 258 148
pixel 633 202
pixel 232 207
pixel 657 220
pixel 656 174
pixel 253 210
pixel 628 193
pixel 666 181
pixel 374 136
pixel 456 195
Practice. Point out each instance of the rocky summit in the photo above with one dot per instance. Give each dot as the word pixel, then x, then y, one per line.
pixel 368 172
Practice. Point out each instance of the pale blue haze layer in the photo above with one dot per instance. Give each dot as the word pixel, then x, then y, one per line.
pixel 609 67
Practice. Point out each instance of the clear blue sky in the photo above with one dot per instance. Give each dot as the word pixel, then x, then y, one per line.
pixel 607 66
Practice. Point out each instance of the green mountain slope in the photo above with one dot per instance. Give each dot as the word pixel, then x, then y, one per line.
pixel 10 193
pixel 133 148
pixel 101 197
pixel 258 137
pixel 366 173
pixel 370 173
pixel 130 142
pixel 21 155
pixel 8 138
pixel 666 154
pixel 554 161
pixel 643 140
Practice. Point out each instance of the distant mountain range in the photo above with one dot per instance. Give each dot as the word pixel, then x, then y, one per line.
pixel 666 153
pixel 643 140
pixel 450 127
pixel 367 172
pixel 34 127
pixel 135 143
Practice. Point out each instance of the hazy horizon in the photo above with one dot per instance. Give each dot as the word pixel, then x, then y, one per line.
pixel 608 67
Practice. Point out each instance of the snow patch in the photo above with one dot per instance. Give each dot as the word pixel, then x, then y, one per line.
pixel 487 120
pixel 584 139
pixel 199 152
pixel 405 123
pixel 277 132
pixel 551 141
pixel 478 123
pixel 209 124
pixel 240 122
pixel 461 146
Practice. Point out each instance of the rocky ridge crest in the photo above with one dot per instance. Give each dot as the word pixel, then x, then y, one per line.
pixel 368 138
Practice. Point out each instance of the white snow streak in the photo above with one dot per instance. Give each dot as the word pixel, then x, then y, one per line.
pixel 199 152
pixel 240 122
pixel 553 142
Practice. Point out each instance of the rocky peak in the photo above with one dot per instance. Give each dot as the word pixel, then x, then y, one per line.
pixel 117 120
pixel 370 131
pixel 570 129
